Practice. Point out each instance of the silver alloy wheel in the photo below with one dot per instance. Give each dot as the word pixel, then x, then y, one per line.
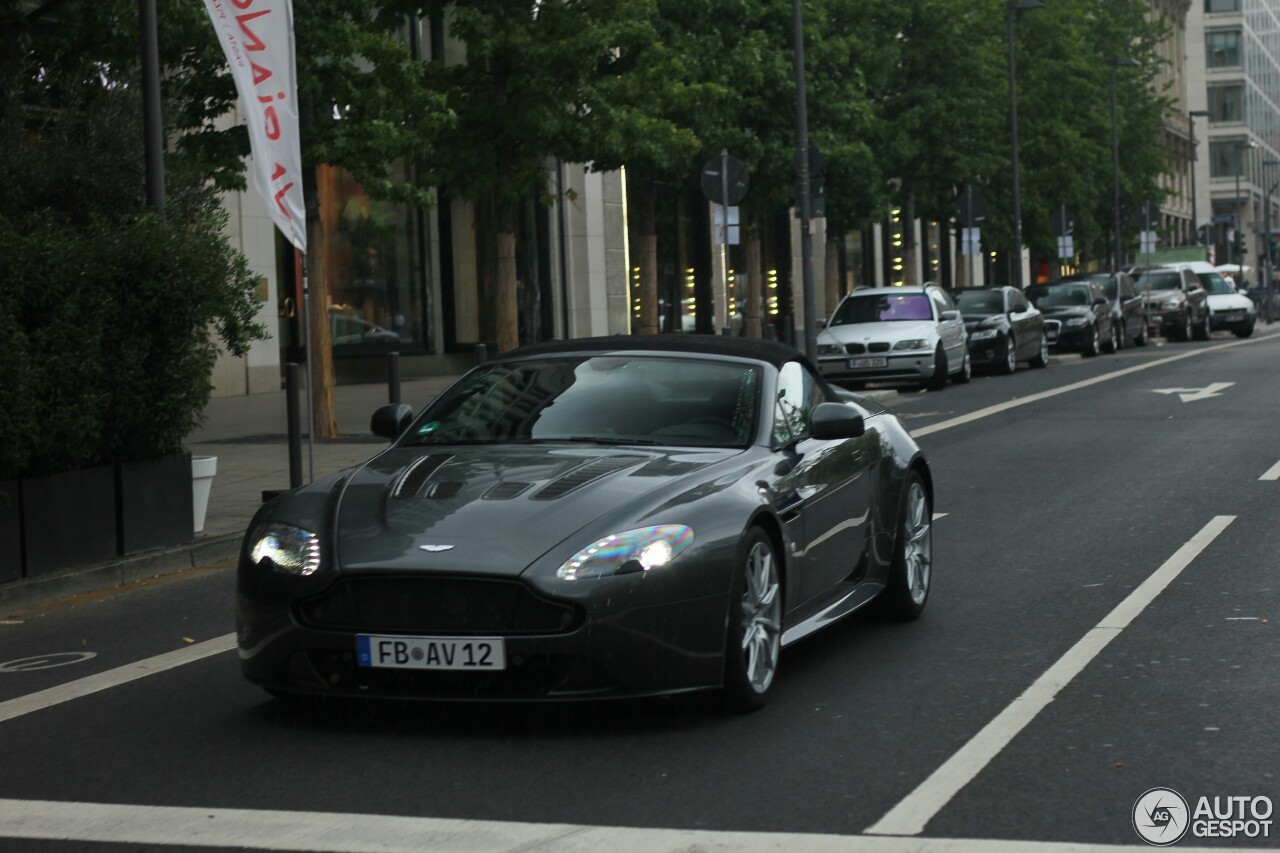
pixel 918 549
pixel 761 617
pixel 1044 350
pixel 1011 354
pixel 1186 326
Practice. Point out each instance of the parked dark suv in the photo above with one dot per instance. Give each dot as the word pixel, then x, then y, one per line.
pixel 1077 315
pixel 1177 304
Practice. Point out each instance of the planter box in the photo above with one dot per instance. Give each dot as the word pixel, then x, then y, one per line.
pixel 69 519
pixel 154 501
pixel 10 532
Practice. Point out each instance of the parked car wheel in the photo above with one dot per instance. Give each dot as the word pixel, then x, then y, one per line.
pixel 1187 332
pixel 965 373
pixel 1010 363
pixel 1092 345
pixel 1245 332
pixel 1041 358
pixel 1142 338
pixel 755 625
pixel 912 571
pixel 1113 341
pixel 939 379
pixel 1203 331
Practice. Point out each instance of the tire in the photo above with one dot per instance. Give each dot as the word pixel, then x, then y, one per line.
pixel 1186 333
pixel 911 574
pixel 939 379
pixel 1245 332
pixel 965 373
pixel 1092 346
pixel 1010 363
pixel 754 632
pixel 1141 340
pixel 1041 358
pixel 1122 336
pixel 1204 331
pixel 1113 342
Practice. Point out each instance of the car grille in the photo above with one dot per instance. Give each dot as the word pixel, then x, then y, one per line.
pixel 436 605
pixel 1051 329
pixel 879 346
pixel 855 349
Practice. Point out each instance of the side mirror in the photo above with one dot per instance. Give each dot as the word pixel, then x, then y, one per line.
pixel 821 323
pixel 950 315
pixel 835 420
pixel 1101 300
pixel 391 420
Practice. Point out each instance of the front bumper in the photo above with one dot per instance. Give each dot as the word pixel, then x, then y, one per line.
pixel 988 352
pixel 1061 336
pixel 915 366
pixel 627 651
pixel 1235 318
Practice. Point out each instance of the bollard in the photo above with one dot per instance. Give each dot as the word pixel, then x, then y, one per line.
pixel 295 424
pixel 482 353
pixel 393 378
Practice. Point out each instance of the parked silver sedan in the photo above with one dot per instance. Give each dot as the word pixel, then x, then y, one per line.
pixel 911 335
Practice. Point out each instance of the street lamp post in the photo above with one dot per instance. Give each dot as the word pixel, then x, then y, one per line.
pixel 1266 237
pixel 1195 155
pixel 802 175
pixel 1012 8
pixel 1240 148
pixel 1116 62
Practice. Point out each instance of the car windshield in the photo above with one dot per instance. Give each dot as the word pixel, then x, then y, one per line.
pixel 878 307
pixel 1058 296
pixel 1216 283
pixel 980 302
pixel 1160 280
pixel 600 399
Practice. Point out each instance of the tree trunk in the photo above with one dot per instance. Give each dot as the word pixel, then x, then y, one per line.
pixel 319 341
pixel 831 271
pixel 506 311
pixel 648 324
pixel 754 306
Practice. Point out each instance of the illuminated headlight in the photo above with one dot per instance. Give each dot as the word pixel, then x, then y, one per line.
pixel 1076 321
pixel 984 334
pixel 634 551
pixel 285 547
pixel 914 343
pixel 1172 305
pixel 830 349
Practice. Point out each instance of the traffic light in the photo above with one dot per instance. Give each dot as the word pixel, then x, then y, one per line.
pixel 1237 247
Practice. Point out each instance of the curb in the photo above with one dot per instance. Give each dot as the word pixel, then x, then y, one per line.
pixel 30 592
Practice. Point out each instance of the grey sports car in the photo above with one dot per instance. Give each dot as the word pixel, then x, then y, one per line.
pixel 591 518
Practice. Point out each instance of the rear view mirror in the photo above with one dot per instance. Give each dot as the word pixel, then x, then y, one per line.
pixel 950 315
pixel 391 420
pixel 834 421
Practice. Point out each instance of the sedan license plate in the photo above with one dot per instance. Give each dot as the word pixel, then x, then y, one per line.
pixel 485 653
pixel 855 363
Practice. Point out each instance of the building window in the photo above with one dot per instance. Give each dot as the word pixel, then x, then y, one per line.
pixel 1222 5
pixel 1226 103
pixel 1222 48
pixel 1226 159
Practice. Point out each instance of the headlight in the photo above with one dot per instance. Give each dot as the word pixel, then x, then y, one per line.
pixel 633 551
pixel 830 349
pixel 1171 304
pixel 1076 321
pixel 288 548
pixel 914 343
pixel 984 334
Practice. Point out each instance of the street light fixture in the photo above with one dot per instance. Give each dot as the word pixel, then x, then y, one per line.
pixel 1116 62
pixel 1239 148
pixel 1195 155
pixel 1011 12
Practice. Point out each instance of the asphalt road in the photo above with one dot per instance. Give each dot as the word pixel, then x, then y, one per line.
pixel 1026 705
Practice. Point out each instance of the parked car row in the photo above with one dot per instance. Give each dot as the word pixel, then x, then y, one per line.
pixel 925 335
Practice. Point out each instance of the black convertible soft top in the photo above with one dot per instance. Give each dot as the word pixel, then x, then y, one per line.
pixel 774 352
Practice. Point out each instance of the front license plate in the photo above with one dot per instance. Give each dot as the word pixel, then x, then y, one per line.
pixel 431 652
pixel 855 363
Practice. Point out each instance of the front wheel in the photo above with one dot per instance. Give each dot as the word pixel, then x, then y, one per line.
pixel 1041 358
pixel 754 633
pixel 939 379
pixel 1141 340
pixel 1245 332
pixel 912 570
pixel 1187 332
pixel 1091 343
pixel 1010 362
pixel 965 373
pixel 1113 342
pixel 1204 330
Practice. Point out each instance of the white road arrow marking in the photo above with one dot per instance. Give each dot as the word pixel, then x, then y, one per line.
pixel 1191 394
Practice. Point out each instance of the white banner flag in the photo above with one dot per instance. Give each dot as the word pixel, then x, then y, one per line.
pixel 257 37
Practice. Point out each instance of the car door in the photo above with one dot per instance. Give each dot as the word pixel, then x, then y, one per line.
pixel 825 486
pixel 1197 297
pixel 1131 308
pixel 950 326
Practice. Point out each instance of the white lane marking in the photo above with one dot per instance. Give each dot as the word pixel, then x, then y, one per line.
pixel 50 661
pixel 1074 386
pixel 113 677
pixel 938 515
pixel 1273 473
pixel 910 815
pixel 1190 395
pixel 329 832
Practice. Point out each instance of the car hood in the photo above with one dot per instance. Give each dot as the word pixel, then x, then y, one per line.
pixel 1229 302
pixel 498 508
pixel 982 321
pixel 895 330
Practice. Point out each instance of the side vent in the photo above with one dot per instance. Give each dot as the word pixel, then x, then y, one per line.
pixel 583 474
pixel 410 482
pixel 505 491
pixel 442 490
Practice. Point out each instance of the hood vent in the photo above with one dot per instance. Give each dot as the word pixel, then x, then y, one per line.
pixel 505 491
pixel 583 474
pixel 441 490
pixel 411 481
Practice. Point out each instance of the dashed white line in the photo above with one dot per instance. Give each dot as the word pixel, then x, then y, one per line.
pixel 113 677
pixel 330 832
pixel 1272 473
pixel 910 816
